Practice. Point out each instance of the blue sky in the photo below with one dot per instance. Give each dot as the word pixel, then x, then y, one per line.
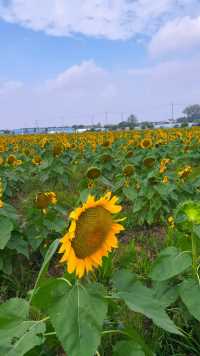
pixel 64 62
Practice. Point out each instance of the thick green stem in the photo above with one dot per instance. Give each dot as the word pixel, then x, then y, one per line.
pixel 194 254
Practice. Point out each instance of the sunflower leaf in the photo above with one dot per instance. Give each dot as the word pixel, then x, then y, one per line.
pixel 131 348
pixel 170 263
pixel 141 299
pixel 78 317
pixel 5 231
pixel 50 252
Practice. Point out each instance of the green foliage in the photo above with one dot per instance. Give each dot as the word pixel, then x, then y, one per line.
pixel 18 335
pixel 170 263
pixel 5 231
pixel 141 299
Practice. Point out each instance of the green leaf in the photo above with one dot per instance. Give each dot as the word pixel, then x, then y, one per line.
pixel 130 193
pixel 189 291
pixel 164 292
pixel 170 263
pixel 6 227
pixel 50 252
pixel 196 230
pixel 141 299
pixel 17 334
pixel 124 279
pixel 78 317
pixel 84 195
pixel 128 348
pixel 55 224
pixel 138 205
pixel 13 312
pixel 49 292
pixel 134 335
pixel 18 244
pixel 19 340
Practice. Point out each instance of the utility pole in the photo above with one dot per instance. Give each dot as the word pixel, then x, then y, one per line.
pixel 92 120
pixel 106 118
pixel 172 112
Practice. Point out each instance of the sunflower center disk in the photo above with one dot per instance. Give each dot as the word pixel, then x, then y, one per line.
pixel 92 229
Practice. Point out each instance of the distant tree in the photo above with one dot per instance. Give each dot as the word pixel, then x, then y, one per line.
pixel 147 125
pixel 184 124
pixel 123 125
pixel 132 121
pixel 111 127
pixel 192 112
pixel 7 132
pixel 182 119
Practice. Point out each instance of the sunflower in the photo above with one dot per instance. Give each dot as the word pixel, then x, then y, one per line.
pixel 146 143
pixel 185 172
pixel 128 170
pixel 93 172
pixel 11 159
pixel 37 160
pixel 106 157
pixel 43 200
pixel 57 149
pixel 149 162
pixel 129 154
pixel 91 235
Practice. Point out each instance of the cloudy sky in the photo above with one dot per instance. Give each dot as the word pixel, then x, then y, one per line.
pixel 85 61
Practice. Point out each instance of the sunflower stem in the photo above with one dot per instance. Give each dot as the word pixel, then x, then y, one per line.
pixel 194 254
pixel 113 332
pixel 49 334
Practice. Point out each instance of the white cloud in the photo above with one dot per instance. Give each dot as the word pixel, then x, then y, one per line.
pixel 86 77
pixel 112 19
pixel 179 35
pixel 83 93
pixel 10 86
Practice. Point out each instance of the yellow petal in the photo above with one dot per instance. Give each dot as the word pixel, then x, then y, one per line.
pixel 72 227
pixel 112 240
pixel 72 261
pixel 66 255
pixel 80 268
pixel 117 228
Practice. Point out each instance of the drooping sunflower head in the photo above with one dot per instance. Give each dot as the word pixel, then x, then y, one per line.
pixel 106 157
pixel 93 172
pixel 91 235
pixel 129 154
pixel 11 159
pixel 58 149
pixel 149 162
pixel 128 170
pixel 42 200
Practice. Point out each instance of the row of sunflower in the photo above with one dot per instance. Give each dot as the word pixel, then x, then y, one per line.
pixel 85 196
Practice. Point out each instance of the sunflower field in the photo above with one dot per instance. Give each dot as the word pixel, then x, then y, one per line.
pixel 100 243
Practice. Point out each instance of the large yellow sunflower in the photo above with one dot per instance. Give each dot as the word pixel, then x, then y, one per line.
pixel 91 235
